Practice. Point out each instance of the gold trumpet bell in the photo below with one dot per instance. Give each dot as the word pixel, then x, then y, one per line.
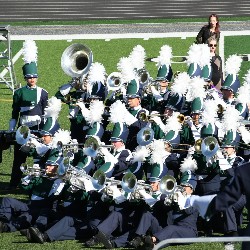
pixel 197 146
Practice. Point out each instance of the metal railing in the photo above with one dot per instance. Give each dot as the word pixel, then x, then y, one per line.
pixel 166 243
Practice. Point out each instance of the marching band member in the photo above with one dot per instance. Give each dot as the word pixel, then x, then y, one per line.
pixel 44 191
pixel 158 90
pixel 232 83
pixel 28 106
pixel 181 222
pixel 69 96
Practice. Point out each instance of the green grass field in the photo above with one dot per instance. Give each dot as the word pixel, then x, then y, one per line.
pixel 51 76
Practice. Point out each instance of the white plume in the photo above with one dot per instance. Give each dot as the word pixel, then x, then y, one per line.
pixel 232 65
pixel 243 94
pixel 117 112
pixel 231 118
pixel 62 136
pixel 138 56
pixel 180 83
pixel 97 73
pixel 29 51
pixel 193 54
pixel 165 56
pixel 172 123
pixel 188 164
pixel 204 55
pixel 140 154
pixel 96 111
pixel 54 107
pixel 158 153
pixel 196 89
pixel 126 67
pixel 209 113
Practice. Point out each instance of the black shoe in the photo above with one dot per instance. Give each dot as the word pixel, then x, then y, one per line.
pixel 36 235
pixel 105 240
pixel 136 242
pixel 3 227
pixel 91 242
pixel 148 243
pixel 26 232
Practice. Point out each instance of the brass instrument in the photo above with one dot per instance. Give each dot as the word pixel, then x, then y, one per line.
pixel 141 185
pixel 209 146
pixel 183 119
pixel 76 60
pixel 35 170
pixel 148 118
pixel 147 88
pixel 114 82
pixel 144 77
pixel 197 145
pixel 145 136
pixel 127 184
pixel 23 134
pixel 168 186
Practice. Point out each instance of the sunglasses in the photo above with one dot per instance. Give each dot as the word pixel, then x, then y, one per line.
pixel 212 45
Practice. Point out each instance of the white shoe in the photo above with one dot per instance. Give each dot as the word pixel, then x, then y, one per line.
pixel 229 246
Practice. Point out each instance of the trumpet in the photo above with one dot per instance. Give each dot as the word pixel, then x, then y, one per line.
pixel 146 118
pixel 183 119
pixel 35 170
pixel 141 185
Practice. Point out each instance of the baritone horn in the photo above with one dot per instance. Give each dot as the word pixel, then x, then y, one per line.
pixel 93 144
pixel 114 82
pixel 209 146
pixel 168 184
pixel 76 60
pixel 145 136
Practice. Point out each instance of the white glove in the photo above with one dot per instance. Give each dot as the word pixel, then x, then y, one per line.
pixel 65 89
pixel 12 124
pixel 84 110
pixel 156 94
pixel 191 150
pixel 181 199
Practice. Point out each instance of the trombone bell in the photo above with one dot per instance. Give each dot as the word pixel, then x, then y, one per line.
pixel 76 60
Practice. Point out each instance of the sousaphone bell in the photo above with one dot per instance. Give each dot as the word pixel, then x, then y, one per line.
pixel 76 60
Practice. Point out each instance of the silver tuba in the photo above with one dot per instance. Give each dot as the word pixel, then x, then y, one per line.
pixel 209 146
pixel 76 60
pixel 114 82
pixel 145 136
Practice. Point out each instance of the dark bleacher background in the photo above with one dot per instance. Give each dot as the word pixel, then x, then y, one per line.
pixel 32 10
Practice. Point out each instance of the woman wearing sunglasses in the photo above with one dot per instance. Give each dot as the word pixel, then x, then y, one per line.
pixel 212 29
pixel 216 64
